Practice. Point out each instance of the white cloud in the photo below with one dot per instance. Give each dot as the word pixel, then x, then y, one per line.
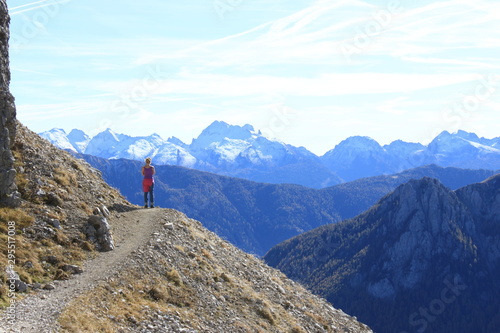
pixel 420 57
pixel 323 85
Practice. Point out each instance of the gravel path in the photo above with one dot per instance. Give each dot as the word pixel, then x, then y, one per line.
pixel 38 312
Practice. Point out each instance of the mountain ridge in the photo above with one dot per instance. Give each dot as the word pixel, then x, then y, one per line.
pixel 241 151
pixel 231 150
pixel 418 242
pixel 256 216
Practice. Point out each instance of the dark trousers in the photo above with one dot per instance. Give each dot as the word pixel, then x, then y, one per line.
pixel 151 195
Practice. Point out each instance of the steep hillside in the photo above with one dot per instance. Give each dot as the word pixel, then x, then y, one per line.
pixel 355 197
pixel 256 216
pixel 67 187
pixel 424 258
pixel 58 193
pixel 167 272
pixel 186 279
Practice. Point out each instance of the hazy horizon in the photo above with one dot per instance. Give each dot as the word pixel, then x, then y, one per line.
pixel 165 137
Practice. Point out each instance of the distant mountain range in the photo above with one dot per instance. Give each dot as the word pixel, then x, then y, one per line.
pixel 256 216
pixel 423 259
pixel 240 151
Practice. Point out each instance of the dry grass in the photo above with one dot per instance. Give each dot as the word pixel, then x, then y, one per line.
pixel 174 277
pixel 30 255
pixel 21 219
pixel 12 221
pixel 266 313
pixel 206 254
pixel 198 286
pixel 180 248
pixel 124 302
pixel 297 329
pixel 22 181
pixel 65 178
pixel 53 185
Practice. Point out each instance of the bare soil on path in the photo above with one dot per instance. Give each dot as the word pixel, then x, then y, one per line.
pixel 38 313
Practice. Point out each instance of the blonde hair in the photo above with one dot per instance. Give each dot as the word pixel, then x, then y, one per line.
pixel 148 160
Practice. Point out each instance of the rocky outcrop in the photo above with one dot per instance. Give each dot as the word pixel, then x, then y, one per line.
pixel 8 190
pixel 14 281
pixel 98 232
pixel 483 201
pixel 424 258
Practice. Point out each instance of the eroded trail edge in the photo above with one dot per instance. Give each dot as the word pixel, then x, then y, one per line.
pixel 39 312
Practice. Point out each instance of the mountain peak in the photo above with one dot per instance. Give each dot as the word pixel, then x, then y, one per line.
pixel 58 137
pixel 460 134
pixel 58 130
pixel 78 135
pixel 176 141
pixel 467 135
pixel 424 205
pixel 232 131
pixel 360 142
pixel 412 246
pixel 109 134
pixel 76 131
pixel 220 130
pixel 79 140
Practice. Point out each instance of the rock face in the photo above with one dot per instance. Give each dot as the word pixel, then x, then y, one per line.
pixel 98 232
pixel 424 258
pixel 8 190
pixel 15 281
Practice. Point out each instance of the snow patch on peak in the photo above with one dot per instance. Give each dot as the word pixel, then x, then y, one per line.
pixel 110 134
pixel 78 134
pixel 176 141
pixel 218 131
pixel 230 149
pixel 360 143
pixel 58 137
pixel 467 136
pixel 355 145
pixel 79 140
pixel 485 148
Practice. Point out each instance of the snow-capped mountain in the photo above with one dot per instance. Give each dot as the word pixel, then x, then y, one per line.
pixel 109 144
pixel 241 151
pixel 79 140
pixel 224 145
pixel 464 150
pixel 76 141
pixel 358 157
pixel 237 151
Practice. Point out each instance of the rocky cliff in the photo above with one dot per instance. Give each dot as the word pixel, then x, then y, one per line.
pixel 8 189
pixel 424 258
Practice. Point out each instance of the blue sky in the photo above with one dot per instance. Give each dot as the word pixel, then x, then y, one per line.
pixel 311 73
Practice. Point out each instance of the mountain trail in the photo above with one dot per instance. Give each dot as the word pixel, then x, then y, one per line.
pixel 39 312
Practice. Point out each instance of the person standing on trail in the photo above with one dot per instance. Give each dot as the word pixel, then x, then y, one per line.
pixel 148 183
